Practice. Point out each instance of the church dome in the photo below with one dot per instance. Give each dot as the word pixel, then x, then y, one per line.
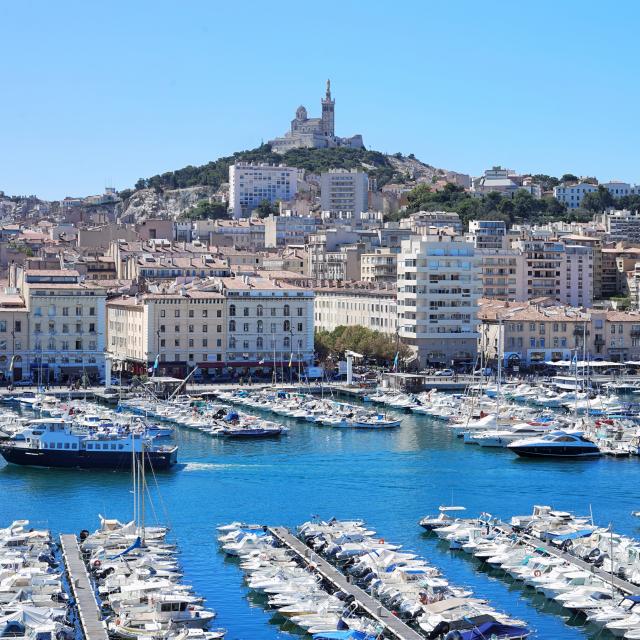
pixel 301 113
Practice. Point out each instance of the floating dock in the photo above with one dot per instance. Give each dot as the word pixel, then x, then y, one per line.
pixel 620 584
pixel 391 623
pixel 93 627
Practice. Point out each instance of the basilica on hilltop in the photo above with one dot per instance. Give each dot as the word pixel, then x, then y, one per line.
pixel 315 133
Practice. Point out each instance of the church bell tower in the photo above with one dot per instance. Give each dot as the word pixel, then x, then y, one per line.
pixel 328 124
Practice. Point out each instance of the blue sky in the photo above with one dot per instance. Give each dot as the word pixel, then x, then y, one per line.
pixel 97 94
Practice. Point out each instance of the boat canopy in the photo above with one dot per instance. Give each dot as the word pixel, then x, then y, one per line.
pixel 582 533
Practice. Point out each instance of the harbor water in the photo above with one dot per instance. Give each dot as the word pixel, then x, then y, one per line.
pixel 390 478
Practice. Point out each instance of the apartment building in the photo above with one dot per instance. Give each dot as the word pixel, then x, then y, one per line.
pixel 248 234
pixel 381 265
pixel 621 225
pixel 423 222
pixel 14 336
pixel 182 328
pixel 544 261
pixel 356 304
pixel 280 231
pixel 221 326
pixel 571 194
pixel 502 273
pixel 576 276
pixel 595 245
pixel 66 324
pixel 344 191
pixel 488 234
pixel 270 323
pixel 531 333
pixel 438 289
pixel 250 184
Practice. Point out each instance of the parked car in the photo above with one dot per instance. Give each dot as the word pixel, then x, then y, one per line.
pixel 445 373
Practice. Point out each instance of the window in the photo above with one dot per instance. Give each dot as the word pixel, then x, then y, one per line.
pixel 218 313
pixel 246 311
pixel 299 326
pixel 287 342
pixel 286 310
pixel 161 328
pixel 260 326
pixel 205 328
pixel 232 310
pixel 205 313
pixel 232 343
pixel 219 328
pixel 92 327
pixel 176 342
pixel 219 342
pixel 260 311
pixel 65 345
pixel 191 313
pixel 18 325
pixel 176 328
pixel 78 327
pixel 78 345
pixel 273 311
pixel 190 328
pixel 65 311
pixel 163 313
pixel 191 342
pixel 232 325
pixel 163 343
pixel 245 344
pixel 259 343
pixel 176 313
pixel 3 325
pixel 205 342
pixel 37 327
pixel 78 311
pixel 245 327
pixel 286 325
pixel 300 312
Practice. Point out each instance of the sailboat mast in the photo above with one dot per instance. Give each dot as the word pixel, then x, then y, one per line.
pixel 133 478
pixel 143 489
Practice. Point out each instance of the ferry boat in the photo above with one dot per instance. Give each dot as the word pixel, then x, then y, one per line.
pixel 55 442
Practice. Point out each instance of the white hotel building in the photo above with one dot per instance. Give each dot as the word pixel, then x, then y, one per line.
pixel 250 184
pixel 438 290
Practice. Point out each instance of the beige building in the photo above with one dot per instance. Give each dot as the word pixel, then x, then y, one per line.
pixel 502 273
pixel 380 265
pixel 356 304
pixel 220 325
pixel 66 316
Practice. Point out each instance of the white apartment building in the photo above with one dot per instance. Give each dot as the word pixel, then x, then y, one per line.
pixel 279 231
pixel 250 184
pixel 438 289
pixel 572 194
pixel 344 191
pixel 422 222
pixel 356 304
pixel 622 225
pixel 576 280
pixel 488 234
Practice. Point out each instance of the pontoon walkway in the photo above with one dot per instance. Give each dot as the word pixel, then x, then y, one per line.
pixel 391 623
pixel 93 627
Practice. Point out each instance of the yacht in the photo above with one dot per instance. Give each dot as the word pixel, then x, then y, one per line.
pixel 55 442
pixel 557 444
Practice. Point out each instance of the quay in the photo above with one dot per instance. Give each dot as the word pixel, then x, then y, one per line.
pixel 530 541
pixel 391 623
pixel 93 628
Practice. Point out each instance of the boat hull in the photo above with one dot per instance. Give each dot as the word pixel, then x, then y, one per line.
pixel 536 451
pixel 117 460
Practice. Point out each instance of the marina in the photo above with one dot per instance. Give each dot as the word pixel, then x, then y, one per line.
pixel 346 472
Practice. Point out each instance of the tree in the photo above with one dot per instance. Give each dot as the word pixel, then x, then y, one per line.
pixel 205 210
pixel 546 182
pixel 569 177
pixel 266 208
pixel 598 200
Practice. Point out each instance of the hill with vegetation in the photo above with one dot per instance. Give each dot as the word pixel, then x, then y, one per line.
pixel 214 173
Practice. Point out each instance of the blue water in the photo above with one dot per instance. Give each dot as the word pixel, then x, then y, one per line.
pixel 391 479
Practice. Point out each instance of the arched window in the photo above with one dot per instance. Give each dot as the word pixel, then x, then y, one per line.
pixel 286 310
pixel 286 325
pixel 260 311
pixel 232 325
pixel 260 326
pixel 232 310
pixel 246 311
pixel 287 342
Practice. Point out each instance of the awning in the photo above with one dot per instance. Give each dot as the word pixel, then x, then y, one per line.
pixel 582 533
